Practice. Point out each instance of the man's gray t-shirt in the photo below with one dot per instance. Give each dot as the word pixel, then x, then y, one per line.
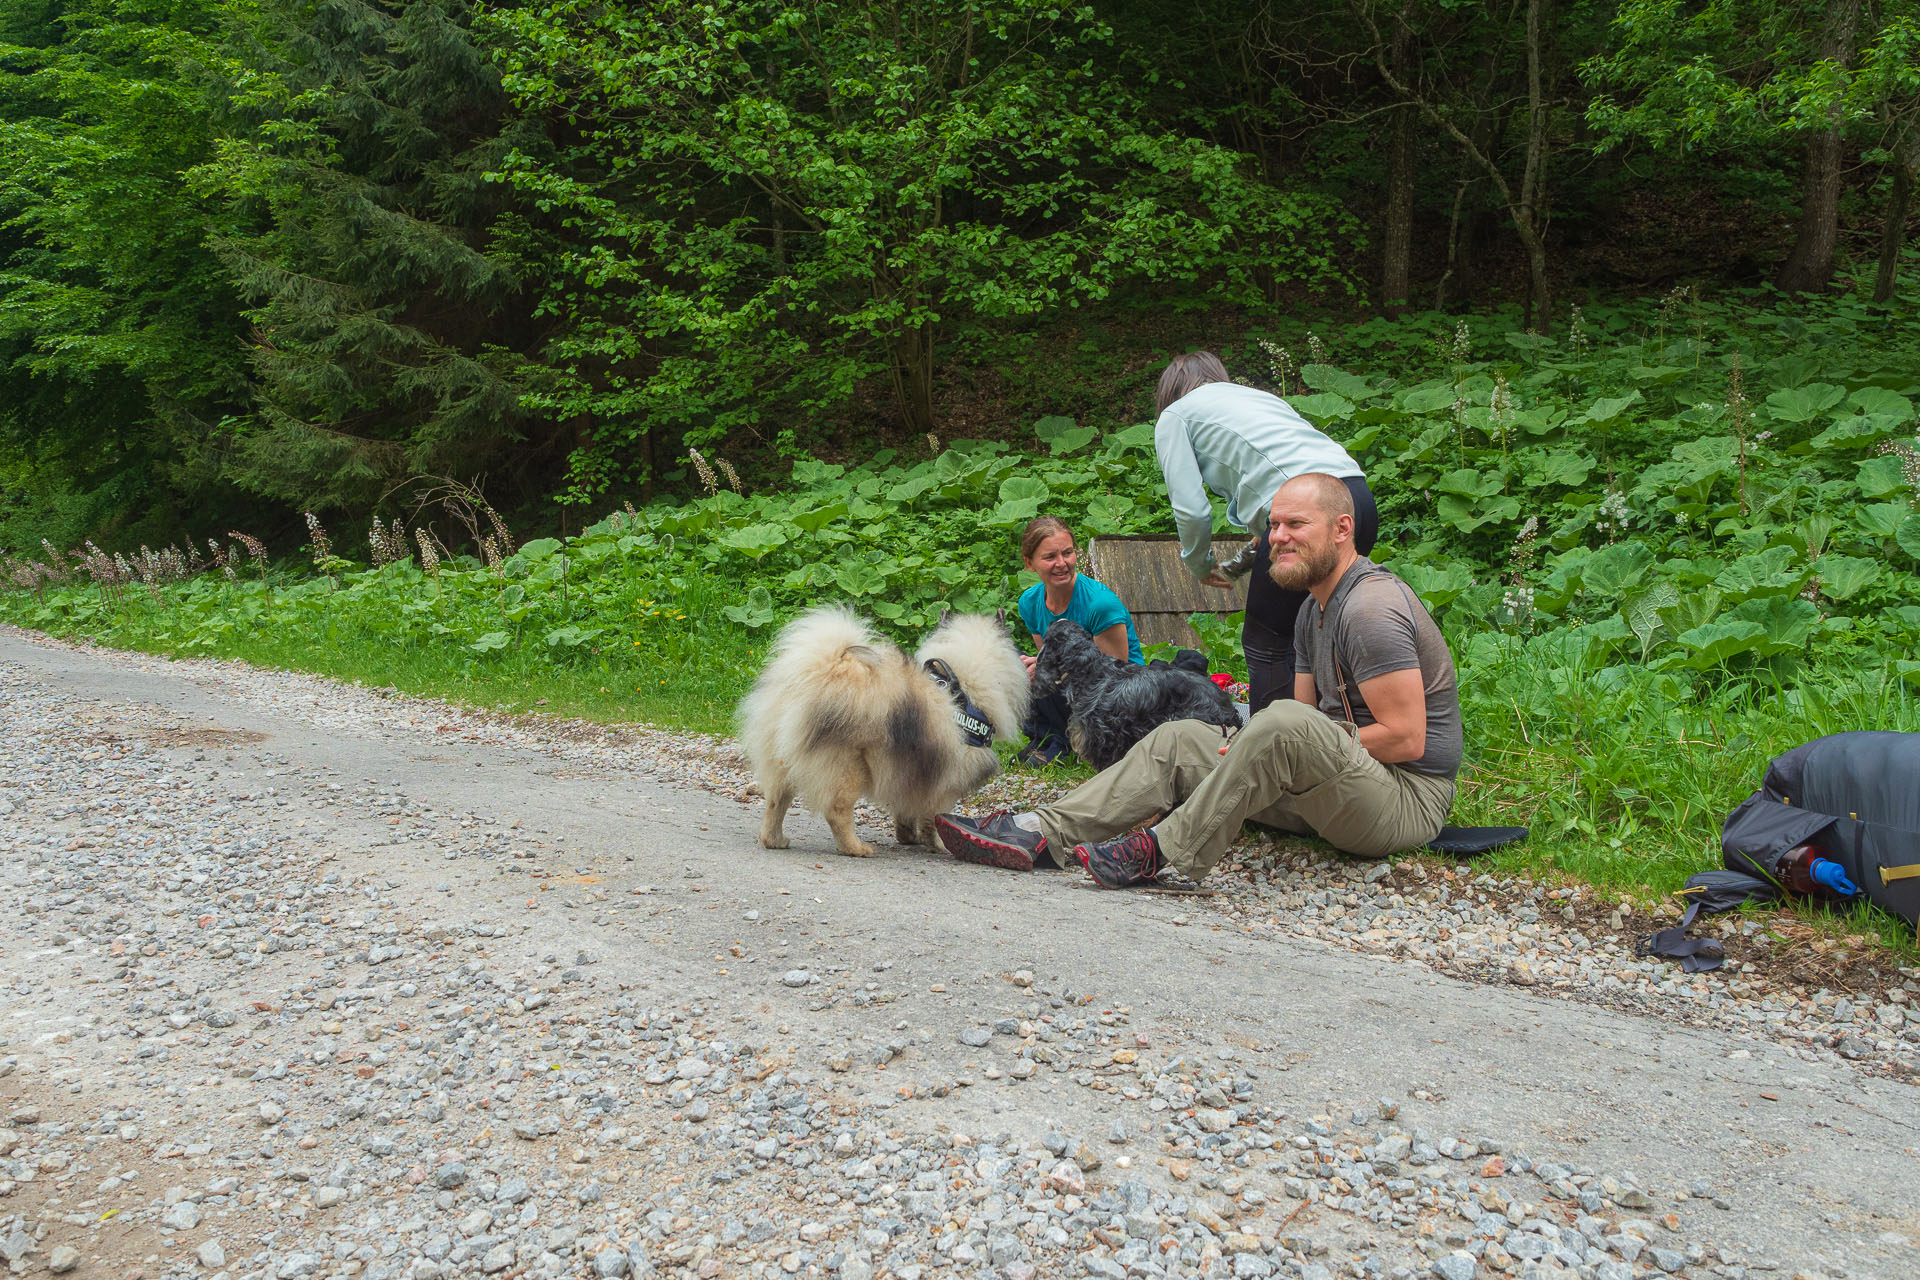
pixel 1377 625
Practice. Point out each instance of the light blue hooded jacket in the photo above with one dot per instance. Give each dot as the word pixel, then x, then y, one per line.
pixel 1242 444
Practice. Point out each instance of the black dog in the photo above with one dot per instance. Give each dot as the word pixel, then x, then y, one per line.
pixel 1112 703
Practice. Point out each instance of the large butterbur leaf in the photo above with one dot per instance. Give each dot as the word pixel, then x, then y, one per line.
pixel 1107 513
pixel 1857 431
pixel 860 578
pixel 1770 572
pixel 1879 519
pixel 757 612
pixel 1060 435
pixel 1428 398
pixel 756 540
pixel 1695 608
pixel 1325 407
pixel 1881 401
pixel 1800 404
pixel 1437 585
pixel 1324 377
pixel 1020 500
pixel 821 516
pixel 1469 483
pixel 1789 622
pixel 1562 466
pixel 1608 408
pixel 1881 477
pixel 1714 643
pixel 1466 514
pixel 1612 572
pixel 1843 577
pixel 1643 614
pixel 1907 536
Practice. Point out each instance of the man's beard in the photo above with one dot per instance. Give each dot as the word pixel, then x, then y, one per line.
pixel 1314 564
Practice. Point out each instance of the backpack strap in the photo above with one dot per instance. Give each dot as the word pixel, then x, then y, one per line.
pixel 1696 955
pixel 1333 649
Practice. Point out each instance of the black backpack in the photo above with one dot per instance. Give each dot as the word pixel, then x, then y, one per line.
pixel 1857 796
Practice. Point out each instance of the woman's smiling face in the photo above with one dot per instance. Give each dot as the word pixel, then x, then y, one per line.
pixel 1055 560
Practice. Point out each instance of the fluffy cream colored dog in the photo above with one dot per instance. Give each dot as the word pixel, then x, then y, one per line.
pixel 838 714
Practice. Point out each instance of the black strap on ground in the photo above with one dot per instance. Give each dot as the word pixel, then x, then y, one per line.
pixel 1696 955
pixel 1464 842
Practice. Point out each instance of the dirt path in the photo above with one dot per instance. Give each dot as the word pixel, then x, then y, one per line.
pixel 310 980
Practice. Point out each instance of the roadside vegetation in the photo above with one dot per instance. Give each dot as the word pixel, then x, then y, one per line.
pixel 1665 544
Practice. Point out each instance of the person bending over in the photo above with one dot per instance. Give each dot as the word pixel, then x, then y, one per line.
pixel 1047 548
pixel 1242 443
pixel 1364 754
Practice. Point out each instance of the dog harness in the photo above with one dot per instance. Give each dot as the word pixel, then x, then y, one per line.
pixel 967 714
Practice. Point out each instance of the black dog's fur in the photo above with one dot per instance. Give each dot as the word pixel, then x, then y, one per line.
pixel 1111 703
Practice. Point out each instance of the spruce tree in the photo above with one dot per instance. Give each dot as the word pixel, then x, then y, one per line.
pixel 388 326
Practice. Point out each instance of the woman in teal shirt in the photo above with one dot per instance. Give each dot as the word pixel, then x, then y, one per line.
pixel 1047 548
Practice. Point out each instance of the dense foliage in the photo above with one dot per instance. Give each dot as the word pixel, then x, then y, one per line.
pixel 259 255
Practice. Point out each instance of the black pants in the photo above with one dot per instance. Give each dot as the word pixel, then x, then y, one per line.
pixel 1046 724
pixel 1266 637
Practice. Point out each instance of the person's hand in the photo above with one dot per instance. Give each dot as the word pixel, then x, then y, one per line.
pixel 1825 871
pixel 1217 579
pixel 1027 660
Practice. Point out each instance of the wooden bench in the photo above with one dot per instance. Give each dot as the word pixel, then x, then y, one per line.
pixel 1157 589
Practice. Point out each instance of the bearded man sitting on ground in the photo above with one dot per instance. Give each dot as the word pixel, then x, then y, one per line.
pixel 1363 755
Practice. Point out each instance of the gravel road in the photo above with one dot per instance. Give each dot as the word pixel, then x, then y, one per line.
pixel 306 979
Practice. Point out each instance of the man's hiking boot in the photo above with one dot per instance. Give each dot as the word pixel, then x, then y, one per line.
pixel 1120 864
pixel 995 840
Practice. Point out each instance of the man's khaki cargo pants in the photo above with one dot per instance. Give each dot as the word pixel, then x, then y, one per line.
pixel 1291 767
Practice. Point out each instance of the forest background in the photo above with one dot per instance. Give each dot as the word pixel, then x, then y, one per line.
pixel 259 257
pixel 552 355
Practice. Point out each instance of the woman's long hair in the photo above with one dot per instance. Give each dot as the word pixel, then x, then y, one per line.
pixel 1184 373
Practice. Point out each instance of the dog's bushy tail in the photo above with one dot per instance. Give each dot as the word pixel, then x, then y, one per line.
pixel 832 692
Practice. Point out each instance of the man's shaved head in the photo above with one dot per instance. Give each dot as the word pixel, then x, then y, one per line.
pixel 1329 494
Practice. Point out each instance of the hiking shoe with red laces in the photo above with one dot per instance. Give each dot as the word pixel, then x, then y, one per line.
pixel 995 840
pixel 1119 864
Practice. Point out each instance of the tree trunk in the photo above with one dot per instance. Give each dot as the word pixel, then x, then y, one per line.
pixel 1893 238
pixel 913 376
pixel 1530 218
pixel 1810 265
pixel 1453 245
pixel 1396 247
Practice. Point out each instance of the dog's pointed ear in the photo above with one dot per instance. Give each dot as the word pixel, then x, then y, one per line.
pixel 1000 617
pixel 944 615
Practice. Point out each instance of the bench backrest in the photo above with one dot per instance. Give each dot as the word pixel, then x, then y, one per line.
pixel 1157 589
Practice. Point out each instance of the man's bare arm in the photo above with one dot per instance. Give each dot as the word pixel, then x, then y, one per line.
pixel 1398 701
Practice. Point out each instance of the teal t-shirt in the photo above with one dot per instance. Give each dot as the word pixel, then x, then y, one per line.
pixel 1094 606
